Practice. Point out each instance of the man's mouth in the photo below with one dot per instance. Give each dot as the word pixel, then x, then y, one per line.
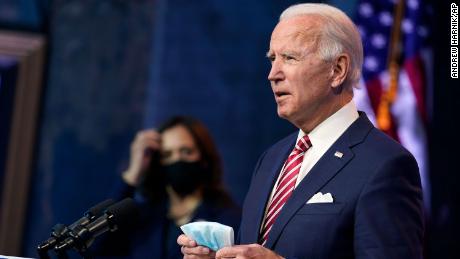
pixel 280 94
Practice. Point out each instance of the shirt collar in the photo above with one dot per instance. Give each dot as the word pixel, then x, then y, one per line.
pixel 333 127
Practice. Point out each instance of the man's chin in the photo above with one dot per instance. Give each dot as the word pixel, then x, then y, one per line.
pixel 283 114
pixel 287 115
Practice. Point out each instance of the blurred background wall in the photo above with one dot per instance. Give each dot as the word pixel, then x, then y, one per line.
pixel 114 67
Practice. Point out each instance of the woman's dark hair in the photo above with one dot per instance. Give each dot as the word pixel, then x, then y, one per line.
pixel 213 188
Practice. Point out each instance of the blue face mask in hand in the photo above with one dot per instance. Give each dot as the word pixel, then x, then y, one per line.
pixel 210 234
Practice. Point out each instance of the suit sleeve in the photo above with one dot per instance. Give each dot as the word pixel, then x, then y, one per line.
pixel 389 212
pixel 256 169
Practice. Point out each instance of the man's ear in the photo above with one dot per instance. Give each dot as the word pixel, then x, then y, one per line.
pixel 340 70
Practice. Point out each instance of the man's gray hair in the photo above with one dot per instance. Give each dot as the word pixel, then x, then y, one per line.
pixel 339 35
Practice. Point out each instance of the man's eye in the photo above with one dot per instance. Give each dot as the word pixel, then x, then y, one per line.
pixel 271 58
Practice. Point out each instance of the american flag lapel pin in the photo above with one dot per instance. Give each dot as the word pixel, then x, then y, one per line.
pixel 338 154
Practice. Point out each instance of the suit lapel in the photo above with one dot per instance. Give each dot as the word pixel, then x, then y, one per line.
pixel 268 173
pixel 325 169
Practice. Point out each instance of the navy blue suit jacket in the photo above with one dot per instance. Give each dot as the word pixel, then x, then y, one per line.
pixel 377 210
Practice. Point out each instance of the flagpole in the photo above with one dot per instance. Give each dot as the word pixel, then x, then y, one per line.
pixel 389 95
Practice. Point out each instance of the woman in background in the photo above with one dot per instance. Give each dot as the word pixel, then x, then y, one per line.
pixel 175 175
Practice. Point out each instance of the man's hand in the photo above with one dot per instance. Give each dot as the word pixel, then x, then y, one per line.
pixel 247 251
pixel 191 250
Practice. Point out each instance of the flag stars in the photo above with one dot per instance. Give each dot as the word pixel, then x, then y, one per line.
pixel 366 10
pixel 407 26
pixel 378 41
pixel 413 4
pixel 386 18
pixel 371 63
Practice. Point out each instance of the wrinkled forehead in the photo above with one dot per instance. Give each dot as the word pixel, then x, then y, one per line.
pixel 303 29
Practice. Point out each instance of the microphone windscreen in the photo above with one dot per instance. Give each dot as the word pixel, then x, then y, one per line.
pixel 99 209
pixel 124 213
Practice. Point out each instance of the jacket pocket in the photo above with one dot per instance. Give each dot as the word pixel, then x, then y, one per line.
pixel 321 208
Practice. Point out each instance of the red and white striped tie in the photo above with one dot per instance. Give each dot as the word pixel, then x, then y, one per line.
pixel 285 186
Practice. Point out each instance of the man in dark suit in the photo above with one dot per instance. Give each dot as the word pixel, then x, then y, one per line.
pixel 337 188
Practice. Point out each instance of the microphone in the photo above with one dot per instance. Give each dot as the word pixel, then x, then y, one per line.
pixel 93 213
pixel 117 215
pixel 60 231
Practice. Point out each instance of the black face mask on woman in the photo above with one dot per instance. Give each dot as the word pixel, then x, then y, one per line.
pixel 185 177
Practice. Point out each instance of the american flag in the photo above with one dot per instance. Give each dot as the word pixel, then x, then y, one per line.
pixel 396 33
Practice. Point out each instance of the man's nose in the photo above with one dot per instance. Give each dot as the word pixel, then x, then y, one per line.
pixel 276 72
